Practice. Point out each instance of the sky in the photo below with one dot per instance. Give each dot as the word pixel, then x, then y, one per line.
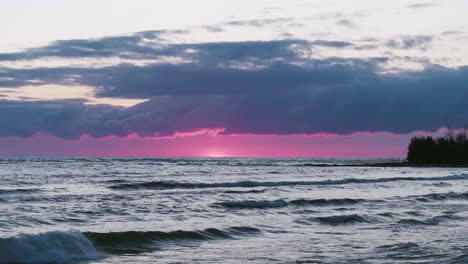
pixel 264 78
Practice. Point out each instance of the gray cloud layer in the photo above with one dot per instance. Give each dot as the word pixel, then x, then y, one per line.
pixel 246 87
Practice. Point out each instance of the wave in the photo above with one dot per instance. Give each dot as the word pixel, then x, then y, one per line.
pixel 410 221
pixel 399 247
pixel 326 202
pixel 429 222
pixel 265 204
pixel 247 191
pixel 340 219
pixel 443 196
pixel 18 191
pixel 164 185
pixel 252 204
pixel 72 246
pixel 50 247
pixel 136 241
pixel 462 259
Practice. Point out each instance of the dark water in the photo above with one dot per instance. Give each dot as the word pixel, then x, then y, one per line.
pixel 56 210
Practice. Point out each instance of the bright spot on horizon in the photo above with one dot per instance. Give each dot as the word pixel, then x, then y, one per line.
pixel 216 153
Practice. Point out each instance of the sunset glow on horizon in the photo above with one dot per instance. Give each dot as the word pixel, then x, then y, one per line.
pixel 233 78
pixel 211 143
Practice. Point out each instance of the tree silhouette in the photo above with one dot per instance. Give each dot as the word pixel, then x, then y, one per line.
pixel 451 149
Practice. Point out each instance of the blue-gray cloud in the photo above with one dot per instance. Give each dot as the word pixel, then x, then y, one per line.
pixel 410 42
pixel 264 87
pixel 130 47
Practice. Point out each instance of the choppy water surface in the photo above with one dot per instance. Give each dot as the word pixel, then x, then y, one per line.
pixel 229 211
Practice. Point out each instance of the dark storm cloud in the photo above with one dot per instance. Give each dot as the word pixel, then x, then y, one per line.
pixel 63 118
pixel 274 77
pixel 41 76
pixel 356 99
pixel 258 87
pixel 130 46
pixel 205 57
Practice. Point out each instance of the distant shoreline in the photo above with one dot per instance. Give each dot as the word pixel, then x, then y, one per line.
pixel 390 165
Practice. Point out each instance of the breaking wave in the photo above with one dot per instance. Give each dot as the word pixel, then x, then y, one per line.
pixel 71 246
pixel 50 247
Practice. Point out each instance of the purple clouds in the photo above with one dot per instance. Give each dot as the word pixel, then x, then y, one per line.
pixel 254 87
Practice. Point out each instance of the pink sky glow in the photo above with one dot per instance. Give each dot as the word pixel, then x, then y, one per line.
pixel 211 143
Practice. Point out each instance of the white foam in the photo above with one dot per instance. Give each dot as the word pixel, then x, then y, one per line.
pixel 50 247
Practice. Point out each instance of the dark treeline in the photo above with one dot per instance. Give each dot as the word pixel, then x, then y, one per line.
pixel 451 149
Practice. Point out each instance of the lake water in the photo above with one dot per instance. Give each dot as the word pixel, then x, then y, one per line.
pixel 116 210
